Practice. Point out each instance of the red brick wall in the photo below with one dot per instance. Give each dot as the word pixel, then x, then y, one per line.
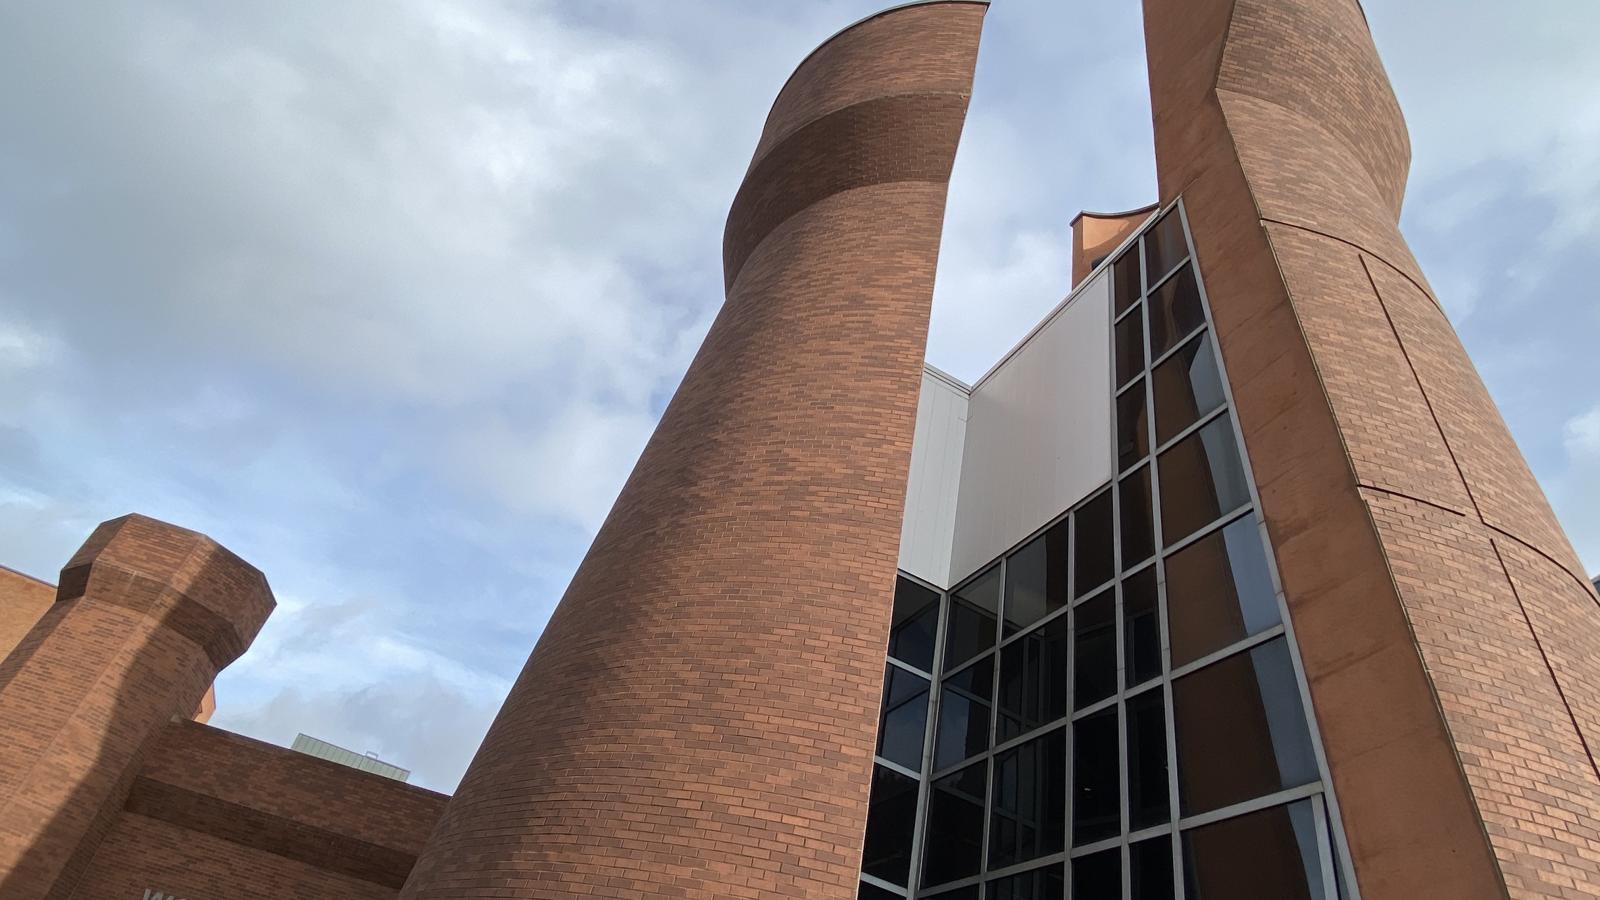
pixel 698 717
pixel 1448 634
pixel 23 599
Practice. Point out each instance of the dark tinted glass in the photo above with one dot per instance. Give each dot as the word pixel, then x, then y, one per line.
pixel 1036 885
pixel 1150 870
pixel 1133 434
pixel 1164 246
pixel 969 892
pixel 1036 579
pixel 953 843
pixel 1271 853
pixel 1093 544
pixel 916 620
pixel 903 720
pixel 1201 478
pixel 1096 791
pixel 873 892
pixel 1138 528
pixel 1187 386
pixel 1175 311
pixel 1141 628
pixel 1097 876
pixel 1125 280
pixel 891 820
pixel 974 610
pixel 1094 669
pixel 1030 801
pixel 1219 591
pixel 1033 680
pixel 964 714
pixel 1147 760
pixel 1130 348
pixel 1241 731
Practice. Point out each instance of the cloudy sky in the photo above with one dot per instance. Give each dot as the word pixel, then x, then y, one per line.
pixel 387 297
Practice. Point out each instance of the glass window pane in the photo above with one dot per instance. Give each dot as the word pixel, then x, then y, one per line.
pixel 1150 870
pixel 1241 730
pixel 1271 853
pixel 903 722
pixel 1164 246
pixel 916 619
pixel 1187 386
pixel 1033 680
pixel 1030 801
pixel 873 892
pixel 1097 876
pixel 974 611
pixel 1141 628
pixel 1036 579
pixel 1096 784
pixel 1125 280
pixel 891 820
pixel 1036 885
pixel 968 892
pixel 1201 478
pixel 964 714
pixel 1219 591
pixel 953 843
pixel 1094 670
pixel 1147 760
pixel 1092 545
pixel 1138 526
pixel 1130 347
pixel 1133 434
pixel 1175 311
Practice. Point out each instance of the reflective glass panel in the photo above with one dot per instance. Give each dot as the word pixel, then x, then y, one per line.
pixel 1096 791
pixel 1141 628
pixel 1241 730
pixel 1175 311
pixel 873 892
pixel 1030 801
pixel 1201 478
pixel 1271 853
pixel 974 611
pixel 964 714
pixel 1097 876
pixel 1219 591
pixel 1147 760
pixel 891 820
pixel 1033 680
pixel 916 622
pixel 1130 348
pixel 953 843
pixel 1164 246
pixel 1133 435
pixel 1039 884
pixel 1150 870
pixel 1187 386
pixel 1125 280
pixel 1138 527
pixel 966 892
pixel 1036 579
pixel 1094 669
pixel 1093 545
pixel 903 720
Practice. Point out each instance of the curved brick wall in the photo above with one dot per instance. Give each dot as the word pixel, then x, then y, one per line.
pixel 1451 641
pixel 698 716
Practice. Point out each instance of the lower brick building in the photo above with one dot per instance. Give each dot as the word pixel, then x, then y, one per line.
pixel 1227 581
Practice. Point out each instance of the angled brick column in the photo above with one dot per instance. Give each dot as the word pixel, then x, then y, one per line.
pixel 144 618
pixel 1450 638
pixel 698 717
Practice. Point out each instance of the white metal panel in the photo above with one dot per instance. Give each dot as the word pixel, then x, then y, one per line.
pixel 928 529
pixel 1038 435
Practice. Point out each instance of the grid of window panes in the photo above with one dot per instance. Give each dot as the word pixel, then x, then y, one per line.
pixel 1112 709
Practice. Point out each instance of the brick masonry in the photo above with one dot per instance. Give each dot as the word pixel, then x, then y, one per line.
pixel 698 717
pixel 1447 630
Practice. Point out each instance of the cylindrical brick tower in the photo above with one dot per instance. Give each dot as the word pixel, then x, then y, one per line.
pixel 1449 637
pixel 146 615
pixel 698 717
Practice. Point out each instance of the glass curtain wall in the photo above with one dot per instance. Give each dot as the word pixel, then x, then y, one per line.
pixel 1112 710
